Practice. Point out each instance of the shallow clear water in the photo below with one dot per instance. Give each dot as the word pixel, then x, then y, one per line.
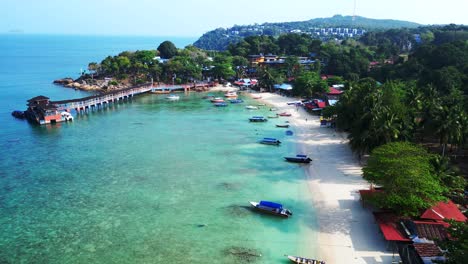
pixel 149 181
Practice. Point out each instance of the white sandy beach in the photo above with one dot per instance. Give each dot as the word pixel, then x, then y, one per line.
pixel 347 231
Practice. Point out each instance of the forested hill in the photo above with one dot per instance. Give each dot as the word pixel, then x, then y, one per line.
pixel 323 28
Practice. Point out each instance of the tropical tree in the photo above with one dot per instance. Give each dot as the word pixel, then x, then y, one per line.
pixel 405 172
pixel 167 49
pixel 457 246
pixel 309 84
pixel 269 77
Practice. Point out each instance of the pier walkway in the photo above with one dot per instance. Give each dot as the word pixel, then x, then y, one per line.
pixel 103 99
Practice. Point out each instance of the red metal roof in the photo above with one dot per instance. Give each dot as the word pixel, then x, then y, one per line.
pixel 443 210
pixel 388 224
pixel 321 104
pixel 334 91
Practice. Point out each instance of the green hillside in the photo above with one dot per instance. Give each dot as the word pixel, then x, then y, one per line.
pixel 220 38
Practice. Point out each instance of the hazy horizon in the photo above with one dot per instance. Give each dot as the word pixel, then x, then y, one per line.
pixel 183 18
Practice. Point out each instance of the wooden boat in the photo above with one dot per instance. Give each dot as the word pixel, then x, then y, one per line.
pixel 301 260
pixel 270 141
pixel 285 126
pixel 284 114
pixel 299 158
pixel 222 104
pixel 251 107
pixel 258 119
pixel 271 208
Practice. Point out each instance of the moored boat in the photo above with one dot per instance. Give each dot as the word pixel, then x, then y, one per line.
pixel 284 114
pixel 299 158
pixel 251 107
pixel 256 96
pixel 173 97
pixel 217 100
pixel 222 104
pixel 285 126
pixel 258 119
pixel 236 101
pixel 301 260
pixel 230 94
pixel 66 116
pixel 271 208
pixel 270 141
pixel 18 114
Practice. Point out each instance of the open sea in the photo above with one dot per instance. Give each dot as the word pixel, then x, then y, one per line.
pixel 148 181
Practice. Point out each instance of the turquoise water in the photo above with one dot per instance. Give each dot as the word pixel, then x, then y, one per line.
pixel 149 181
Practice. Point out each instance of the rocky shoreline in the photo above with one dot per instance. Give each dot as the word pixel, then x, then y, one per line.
pixel 92 84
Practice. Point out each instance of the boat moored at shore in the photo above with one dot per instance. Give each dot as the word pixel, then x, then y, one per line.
pixel 258 119
pixel 251 107
pixel 271 208
pixel 299 158
pixel 173 97
pixel 301 260
pixel 222 104
pixel 270 141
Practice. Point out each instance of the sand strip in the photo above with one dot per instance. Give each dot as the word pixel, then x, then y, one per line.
pixel 347 231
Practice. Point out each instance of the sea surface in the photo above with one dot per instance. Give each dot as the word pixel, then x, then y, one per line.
pixel 148 181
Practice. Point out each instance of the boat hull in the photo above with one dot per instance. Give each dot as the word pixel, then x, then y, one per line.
pixel 301 260
pixel 298 160
pixel 268 211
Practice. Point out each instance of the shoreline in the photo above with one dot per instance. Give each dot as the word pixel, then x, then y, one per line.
pixel 347 232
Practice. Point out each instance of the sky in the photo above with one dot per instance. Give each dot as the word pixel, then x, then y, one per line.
pixel 194 17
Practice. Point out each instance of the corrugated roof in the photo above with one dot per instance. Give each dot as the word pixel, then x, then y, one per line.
pixel 388 224
pixel 443 210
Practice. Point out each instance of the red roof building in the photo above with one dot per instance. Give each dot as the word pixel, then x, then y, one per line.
pixel 431 230
pixel 388 224
pixel 442 211
pixel 334 91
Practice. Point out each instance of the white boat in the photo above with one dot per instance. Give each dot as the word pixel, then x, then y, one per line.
pixel 66 116
pixel 251 107
pixel 173 97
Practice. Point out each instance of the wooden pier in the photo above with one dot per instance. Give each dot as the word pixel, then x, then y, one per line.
pixel 102 100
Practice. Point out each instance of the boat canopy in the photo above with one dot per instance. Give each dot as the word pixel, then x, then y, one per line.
pixel 271 204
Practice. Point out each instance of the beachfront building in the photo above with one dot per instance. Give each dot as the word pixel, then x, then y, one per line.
pixel 416 239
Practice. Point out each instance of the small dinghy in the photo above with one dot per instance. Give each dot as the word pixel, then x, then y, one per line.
pixel 251 107
pixel 285 126
pixel 222 104
pixel 284 114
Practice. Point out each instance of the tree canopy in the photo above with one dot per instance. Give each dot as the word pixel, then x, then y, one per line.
pixel 167 49
pixel 405 172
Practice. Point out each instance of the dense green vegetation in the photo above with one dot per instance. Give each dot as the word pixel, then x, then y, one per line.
pixel 407 175
pixel 220 38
